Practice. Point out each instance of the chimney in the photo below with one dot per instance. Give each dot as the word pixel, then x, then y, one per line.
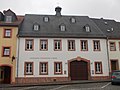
pixel 58 11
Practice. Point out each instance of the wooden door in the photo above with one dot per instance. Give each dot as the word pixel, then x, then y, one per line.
pixel 79 70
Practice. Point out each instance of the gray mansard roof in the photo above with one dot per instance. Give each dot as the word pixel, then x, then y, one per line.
pixel 51 28
pixel 110 28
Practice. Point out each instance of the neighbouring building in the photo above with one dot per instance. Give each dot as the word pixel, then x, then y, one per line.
pixel 9 24
pixel 61 48
pixel 111 29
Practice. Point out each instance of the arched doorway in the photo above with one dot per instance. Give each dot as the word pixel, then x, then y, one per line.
pixel 5 74
pixel 79 69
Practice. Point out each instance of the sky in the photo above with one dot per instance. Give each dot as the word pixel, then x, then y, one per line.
pixel 108 9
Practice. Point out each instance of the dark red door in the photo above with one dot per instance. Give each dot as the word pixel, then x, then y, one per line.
pixel 79 70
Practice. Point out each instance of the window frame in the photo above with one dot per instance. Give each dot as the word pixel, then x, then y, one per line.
pixel 62 28
pixel 71 46
pixel 86 45
pixel 57 45
pixel 5 33
pixel 4 51
pixel 114 46
pixel 36 27
pixel 101 70
pixel 57 73
pixel 26 49
pixel 25 69
pixel 46 42
pixel 73 20
pixel 46 19
pixel 99 47
pixel 8 19
pixel 40 69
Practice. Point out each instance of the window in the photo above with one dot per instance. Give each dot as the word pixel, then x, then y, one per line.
pixel 36 27
pixel 58 67
pixel 7 33
pixel 62 27
pixel 28 68
pixel 73 20
pixel 57 45
pixel 9 19
pixel 112 46
pixel 44 68
pixel 96 45
pixel 46 19
pixel 44 45
pixel 84 45
pixel 6 51
pixel 29 43
pixel 119 46
pixel 87 28
pixel 98 67
pixel 71 45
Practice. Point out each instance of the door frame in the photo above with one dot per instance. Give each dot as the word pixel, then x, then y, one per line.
pixel 79 59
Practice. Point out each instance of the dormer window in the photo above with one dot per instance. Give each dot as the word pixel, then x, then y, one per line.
pixel 46 19
pixel 36 27
pixel 9 19
pixel 87 28
pixel 73 20
pixel 62 27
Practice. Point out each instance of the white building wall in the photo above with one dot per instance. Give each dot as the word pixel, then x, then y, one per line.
pixel 52 56
pixel 114 55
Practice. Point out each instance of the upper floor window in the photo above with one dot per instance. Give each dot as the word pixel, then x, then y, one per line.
pixel 43 68
pixel 98 67
pixel 62 27
pixel 96 45
pixel 73 20
pixel 119 46
pixel 9 19
pixel 6 51
pixel 29 44
pixel 46 19
pixel 112 46
pixel 44 45
pixel 58 67
pixel 84 45
pixel 71 45
pixel 87 28
pixel 28 70
pixel 36 27
pixel 57 45
pixel 7 33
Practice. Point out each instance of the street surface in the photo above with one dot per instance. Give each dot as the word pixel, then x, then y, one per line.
pixel 89 86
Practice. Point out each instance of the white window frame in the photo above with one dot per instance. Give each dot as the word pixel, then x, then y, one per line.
pixel 8 19
pixel 44 45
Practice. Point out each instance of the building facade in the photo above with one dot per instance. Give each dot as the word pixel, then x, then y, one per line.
pixel 111 29
pixel 61 48
pixel 9 24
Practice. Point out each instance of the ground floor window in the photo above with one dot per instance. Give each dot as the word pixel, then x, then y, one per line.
pixel 43 68
pixel 98 67
pixel 28 68
pixel 57 67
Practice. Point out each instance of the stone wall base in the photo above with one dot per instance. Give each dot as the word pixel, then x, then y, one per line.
pixel 40 79
pixel 35 80
pixel 100 77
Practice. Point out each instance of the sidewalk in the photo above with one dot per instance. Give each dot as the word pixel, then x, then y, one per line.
pixel 52 83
